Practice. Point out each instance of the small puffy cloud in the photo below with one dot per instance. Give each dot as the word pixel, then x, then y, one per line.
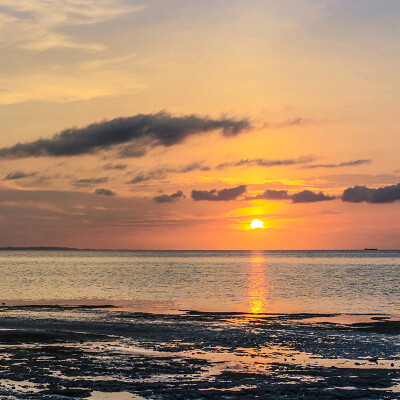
pixel 169 198
pixel 358 194
pixel 220 195
pixel 104 192
pixel 307 196
pixel 273 195
pixel 140 133
pixel 18 175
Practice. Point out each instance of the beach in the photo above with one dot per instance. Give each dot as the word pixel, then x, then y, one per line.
pixel 100 353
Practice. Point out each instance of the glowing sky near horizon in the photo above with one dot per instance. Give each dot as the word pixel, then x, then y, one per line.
pixel 207 115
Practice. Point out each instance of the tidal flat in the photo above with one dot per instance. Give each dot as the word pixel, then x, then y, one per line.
pixel 97 353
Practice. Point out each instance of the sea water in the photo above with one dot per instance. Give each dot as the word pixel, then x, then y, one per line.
pixel 221 281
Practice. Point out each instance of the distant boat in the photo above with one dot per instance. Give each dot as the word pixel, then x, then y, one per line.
pixel 367 249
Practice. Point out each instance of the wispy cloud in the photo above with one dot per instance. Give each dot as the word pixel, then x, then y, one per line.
pixel 64 86
pixel 15 175
pixel 352 163
pixel 38 24
pixel 262 162
pixel 89 181
pixel 162 173
pixel 115 166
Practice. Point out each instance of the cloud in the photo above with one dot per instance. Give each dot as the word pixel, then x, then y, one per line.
pixel 291 122
pixel 305 196
pixel 220 195
pixel 162 173
pixel 89 182
pixel 38 24
pixel 262 162
pixel 18 175
pixel 142 177
pixel 358 194
pixel 273 195
pixel 104 192
pixel 190 167
pixel 114 166
pixel 352 163
pixel 161 129
pixel 166 198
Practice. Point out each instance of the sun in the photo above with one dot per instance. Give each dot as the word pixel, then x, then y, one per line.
pixel 256 223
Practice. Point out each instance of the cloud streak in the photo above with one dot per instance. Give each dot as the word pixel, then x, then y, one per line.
pixel 162 173
pixel 89 181
pixel 110 166
pixel 220 195
pixel 144 130
pixel 15 175
pixel 37 24
pixel 352 163
pixel 358 194
pixel 262 162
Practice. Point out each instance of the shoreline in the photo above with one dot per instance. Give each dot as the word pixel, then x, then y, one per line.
pixel 66 353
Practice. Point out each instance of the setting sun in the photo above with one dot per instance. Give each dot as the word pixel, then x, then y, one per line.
pixel 256 223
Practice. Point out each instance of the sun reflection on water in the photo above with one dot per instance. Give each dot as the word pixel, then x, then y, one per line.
pixel 257 295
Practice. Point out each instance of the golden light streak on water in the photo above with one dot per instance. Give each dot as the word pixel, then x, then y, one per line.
pixel 257 295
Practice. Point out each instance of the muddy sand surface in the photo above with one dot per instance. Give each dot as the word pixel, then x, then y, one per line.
pixel 101 353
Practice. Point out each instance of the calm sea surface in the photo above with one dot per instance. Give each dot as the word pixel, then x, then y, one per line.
pixel 246 281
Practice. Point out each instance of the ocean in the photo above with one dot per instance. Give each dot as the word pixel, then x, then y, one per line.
pixel 178 325
pixel 224 281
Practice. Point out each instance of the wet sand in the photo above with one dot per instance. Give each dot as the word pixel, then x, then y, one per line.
pixel 105 353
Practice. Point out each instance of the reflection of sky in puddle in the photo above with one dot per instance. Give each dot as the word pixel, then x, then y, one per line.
pixel 257 295
pixel 19 386
pixel 348 319
pixel 261 360
pixel 114 396
pixel 267 360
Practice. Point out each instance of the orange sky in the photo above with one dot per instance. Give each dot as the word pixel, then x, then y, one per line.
pixel 250 99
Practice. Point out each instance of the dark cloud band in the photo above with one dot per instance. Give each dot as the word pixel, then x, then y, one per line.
pixel 144 130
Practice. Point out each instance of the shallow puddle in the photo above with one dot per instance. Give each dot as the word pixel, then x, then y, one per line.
pixel 114 396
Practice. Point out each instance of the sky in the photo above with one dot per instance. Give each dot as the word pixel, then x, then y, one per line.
pixel 174 124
